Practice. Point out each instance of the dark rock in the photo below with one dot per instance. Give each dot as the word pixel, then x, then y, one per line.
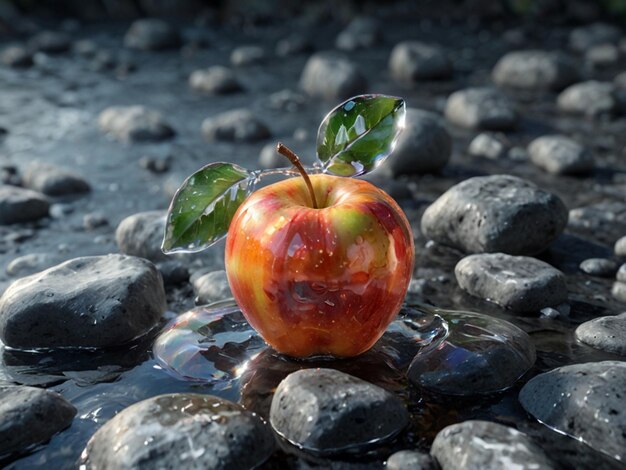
pixel 215 80
pixel 16 56
pixel 151 34
pixel 605 333
pixel 488 145
pixel 560 155
pixel 141 235
pixel 411 61
pixel 181 431
pixel 327 411
pixel 19 205
pixel 361 33
pixel 585 37
pixel 53 181
pixel 519 283
pixel 95 301
pixel 619 291
pixel 134 124
pixel 287 100
pixel 211 287
pixel 535 70
pixel 602 55
pixel 600 267
pixel 591 98
pixel 247 55
pixel 424 145
pixel 620 247
pixel 270 158
pixel 410 460
pixel 30 416
pixel 487 446
pixel 332 77
pixel 173 272
pixel 481 108
pixel 50 42
pixel 239 125
pixel 584 401
pixel 94 220
pixel 499 213
pixel 293 45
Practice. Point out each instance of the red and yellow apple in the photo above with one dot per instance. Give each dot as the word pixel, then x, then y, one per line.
pixel 320 281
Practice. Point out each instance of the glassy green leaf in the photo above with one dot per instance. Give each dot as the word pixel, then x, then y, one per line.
pixel 204 205
pixel 357 136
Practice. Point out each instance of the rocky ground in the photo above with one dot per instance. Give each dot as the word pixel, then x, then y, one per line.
pixel 511 171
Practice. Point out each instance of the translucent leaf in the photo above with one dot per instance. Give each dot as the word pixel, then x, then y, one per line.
pixel 357 136
pixel 204 205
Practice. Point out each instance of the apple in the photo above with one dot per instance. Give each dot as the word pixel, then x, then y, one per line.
pixel 319 279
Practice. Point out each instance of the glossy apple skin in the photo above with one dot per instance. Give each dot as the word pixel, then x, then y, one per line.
pixel 324 281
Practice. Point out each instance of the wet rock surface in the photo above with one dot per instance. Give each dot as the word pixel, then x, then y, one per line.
pixel 190 430
pixel 53 181
pixel 142 234
pixel 495 213
pixel 327 411
pixel 560 155
pixel 605 333
pixel 151 34
pixel 591 98
pixel 332 77
pixel 214 80
pixel 135 124
pixel 240 125
pixel 89 301
pixel 584 401
pixel 21 205
pixel 535 69
pixel 408 459
pixel 30 416
pixel 519 283
pixel 412 61
pixel 482 444
pixel 481 108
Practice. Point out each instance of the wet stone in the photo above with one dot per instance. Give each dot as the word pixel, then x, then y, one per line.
pixel 287 100
pixel 30 416
pixel 584 401
pixel 535 70
pixel 94 220
pixel 53 180
pixel 488 446
pixel 93 301
pixel 518 283
pixel 151 34
pixel 410 460
pixel 605 333
pixel 602 55
pixel 591 98
pixel 411 61
pixel 600 267
pixel 18 205
pixel 332 77
pixel 619 291
pixel 215 80
pixel 181 430
pixel 85 47
pixel 560 155
pixel 585 37
pixel 247 55
pixel 293 44
pixel 481 108
pixel 604 219
pixel 239 125
pixel 361 33
pixel 620 247
pixel 141 235
pixel 29 264
pixel 424 144
pixel 327 411
pixel 506 214
pixel 174 273
pixel 16 56
pixel 270 158
pixel 620 80
pixel 211 287
pixel 135 124
pixel 50 42
pixel 480 355
pixel 488 145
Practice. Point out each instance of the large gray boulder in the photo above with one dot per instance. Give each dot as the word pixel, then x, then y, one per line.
pixel 93 301
pixel 499 213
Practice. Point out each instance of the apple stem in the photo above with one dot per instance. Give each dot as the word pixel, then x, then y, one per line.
pixel 293 158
